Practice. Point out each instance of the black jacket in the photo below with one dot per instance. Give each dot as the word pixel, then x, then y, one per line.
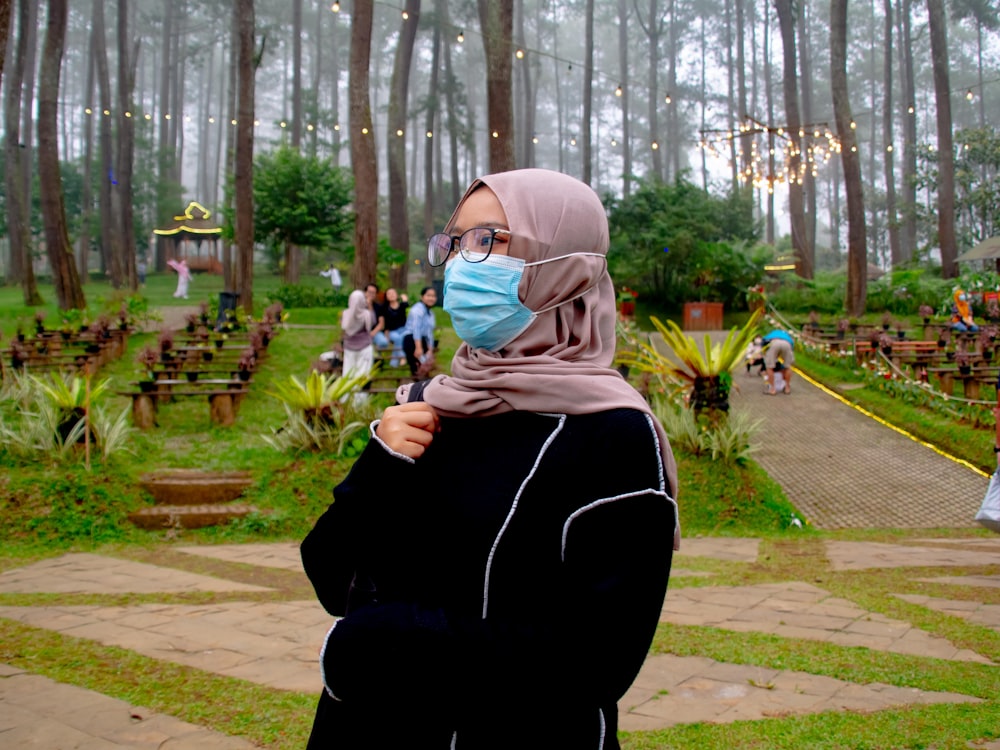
pixel 500 592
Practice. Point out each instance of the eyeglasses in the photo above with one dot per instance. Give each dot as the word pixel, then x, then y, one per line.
pixel 474 244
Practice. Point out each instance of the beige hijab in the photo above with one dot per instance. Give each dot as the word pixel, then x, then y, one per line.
pixel 562 363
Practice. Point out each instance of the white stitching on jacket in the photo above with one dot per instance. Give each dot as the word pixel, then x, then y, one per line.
pixel 322 662
pixel 513 508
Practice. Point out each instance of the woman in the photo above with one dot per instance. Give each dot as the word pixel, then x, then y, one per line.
pixel 356 324
pixel 508 598
pixel 418 333
pixel 392 323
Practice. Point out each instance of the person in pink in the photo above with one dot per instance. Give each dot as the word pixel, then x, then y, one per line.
pixel 183 277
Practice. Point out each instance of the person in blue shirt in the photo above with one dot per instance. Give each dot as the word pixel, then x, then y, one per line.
pixel 418 335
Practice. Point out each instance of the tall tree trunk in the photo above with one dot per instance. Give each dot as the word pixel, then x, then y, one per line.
pixel 363 160
pixel 432 113
pixel 21 268
pixel 937 24
pixel 4 32
pixel 86 200
pixel 60 253
pixel 105 143
pixel 908 205
pixel 809 182
pixel 588 95
pixel 231 133
pixel 796 207
pixel 399 220
pixel 451 107
pixel 769 96
pixel 126 152
pixel 497 21
pixel 243 176
pixel 293 254
pixel 857 251
pixel 653 27
pixel 626 94
pixel 166 150
pixel 892 220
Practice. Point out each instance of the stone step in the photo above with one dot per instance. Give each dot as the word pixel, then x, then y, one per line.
pixel 189 516
pixel 194 487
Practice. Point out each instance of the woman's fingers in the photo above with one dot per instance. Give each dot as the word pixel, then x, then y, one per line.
pixel 409 428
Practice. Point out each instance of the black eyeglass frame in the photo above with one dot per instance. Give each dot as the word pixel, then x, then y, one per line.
pixel 477 254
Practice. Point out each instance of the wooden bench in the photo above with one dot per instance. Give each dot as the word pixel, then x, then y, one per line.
pixel 224 398
pixel 863 348
pixel 971 382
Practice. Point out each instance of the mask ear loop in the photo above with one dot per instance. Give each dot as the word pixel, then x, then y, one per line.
pixel 576 296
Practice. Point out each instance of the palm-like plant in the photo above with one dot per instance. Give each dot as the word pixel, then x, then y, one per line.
pixel 318 412
pixel 706 371
pixel 320 396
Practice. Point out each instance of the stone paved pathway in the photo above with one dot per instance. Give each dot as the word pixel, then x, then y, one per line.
pixel 269 637
pixel 274 643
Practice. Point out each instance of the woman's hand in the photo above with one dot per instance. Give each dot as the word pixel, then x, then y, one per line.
pixel 409 428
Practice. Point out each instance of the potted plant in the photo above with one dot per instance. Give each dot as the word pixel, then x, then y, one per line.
pixel 220 340
pixel 192 322
pixel 147 359
pixel 885 343
pixel 963 361
pixel 706 371
pixel 886 321
pixel 875 339
pixel 993 310
pixel 246 363
pixel 944 335
pixel 626 301
pixel 166 343
pixel 813 322
pixel 203 313
pixel 756 297
pixel 925 312
pixel 842 325
pixel 18 355
pixel 986 340
pixel 900 333
pixel 40 322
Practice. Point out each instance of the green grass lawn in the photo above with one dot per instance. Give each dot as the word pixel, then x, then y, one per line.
pixel 49 508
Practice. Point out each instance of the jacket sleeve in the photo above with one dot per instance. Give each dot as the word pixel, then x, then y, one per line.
pixel 333 552
pixel 591 639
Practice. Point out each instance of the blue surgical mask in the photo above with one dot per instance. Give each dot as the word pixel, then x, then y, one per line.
pixel 483 303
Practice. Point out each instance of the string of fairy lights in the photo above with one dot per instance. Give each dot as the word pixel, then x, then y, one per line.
pixel 766 153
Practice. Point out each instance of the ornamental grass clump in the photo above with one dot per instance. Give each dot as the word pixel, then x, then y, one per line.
pixel 703 374
pixel 320 413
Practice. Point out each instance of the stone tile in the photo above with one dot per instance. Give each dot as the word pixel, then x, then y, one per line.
pixel 721 693
pixel 801 610
pixel 865 555
pixel 982 581
pixel 36 712
pixel 283 555
pixel 208 637
pixel 96 574
pixel 733 549
pixel 987 615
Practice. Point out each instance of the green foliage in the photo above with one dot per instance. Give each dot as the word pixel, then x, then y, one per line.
pixel 320 415
pixel 300 295
pixel 50 417
pixel 977 189
pixel 706 237
pixel 725 440
pixel 301 199
pixel 683 360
